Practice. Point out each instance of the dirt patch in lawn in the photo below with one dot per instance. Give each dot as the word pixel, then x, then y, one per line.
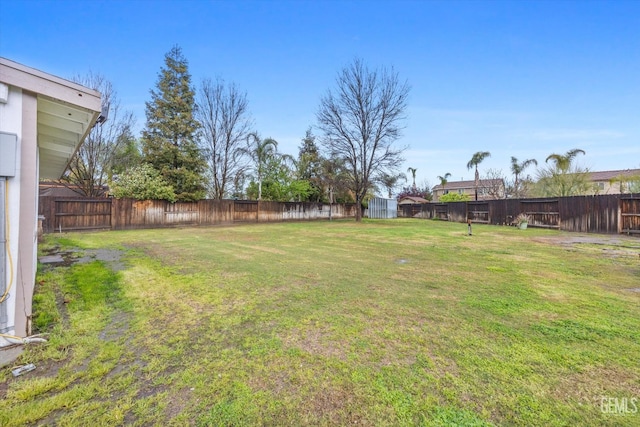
pixel 315 341
pixel 626 242
pixel 610 246
pixel 590 385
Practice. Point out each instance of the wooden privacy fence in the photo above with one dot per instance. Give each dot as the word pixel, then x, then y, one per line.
pixel 75 214
pixel 617 213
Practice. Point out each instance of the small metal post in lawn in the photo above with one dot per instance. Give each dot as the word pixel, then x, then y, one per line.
pixel 469 226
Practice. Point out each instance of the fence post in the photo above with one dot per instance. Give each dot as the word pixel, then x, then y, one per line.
pixel 619 215
pixel 110 214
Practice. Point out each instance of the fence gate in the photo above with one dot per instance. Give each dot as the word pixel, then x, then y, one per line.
pixel 83 214
pixel 542 212
pixel 442 212
pixel 478 212
pixel 630 214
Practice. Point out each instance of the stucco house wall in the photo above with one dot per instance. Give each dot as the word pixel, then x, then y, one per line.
pixel 48 117
pixel 614 182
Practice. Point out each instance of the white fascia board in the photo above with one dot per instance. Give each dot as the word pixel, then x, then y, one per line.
pixel 36 81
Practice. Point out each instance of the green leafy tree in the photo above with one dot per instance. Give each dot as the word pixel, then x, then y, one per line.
pixel 473 163
pixel 361 120
pixel 142 182
pixel 126 156
pixel 454 197
pixel 279 182
pixel 169 138
pixel 563 178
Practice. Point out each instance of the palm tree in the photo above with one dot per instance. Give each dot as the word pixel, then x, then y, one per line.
pixel 474 162
pixel 389 182
pixel 260 151
pixel 413 174
pixel 443 180
pixel 517 169
pixel 563 161
pixel 563 178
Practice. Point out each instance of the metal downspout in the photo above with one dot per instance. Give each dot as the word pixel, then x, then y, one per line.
pixel 3 254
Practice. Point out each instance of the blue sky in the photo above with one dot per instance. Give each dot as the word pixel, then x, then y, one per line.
pixel 516 78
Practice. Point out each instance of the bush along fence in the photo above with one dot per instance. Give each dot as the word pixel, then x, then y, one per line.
pixel 75 214
pixel 617 213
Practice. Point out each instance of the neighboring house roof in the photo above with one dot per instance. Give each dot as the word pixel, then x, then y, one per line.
pixel 58 189
pixel 457 185
pixel 66 113
pixel 610 175
pixel 412 199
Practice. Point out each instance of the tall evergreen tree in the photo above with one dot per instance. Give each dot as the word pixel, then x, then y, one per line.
pixel 169 138
pixel 309 166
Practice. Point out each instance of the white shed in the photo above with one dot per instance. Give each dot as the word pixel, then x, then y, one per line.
pixel 43 121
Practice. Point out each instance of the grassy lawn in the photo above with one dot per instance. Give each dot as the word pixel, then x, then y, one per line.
pixel 403 322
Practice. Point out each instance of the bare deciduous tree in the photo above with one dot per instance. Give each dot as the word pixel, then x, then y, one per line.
pixel 223 112
pixel 89 169
pixel 492 184
pixel 361 119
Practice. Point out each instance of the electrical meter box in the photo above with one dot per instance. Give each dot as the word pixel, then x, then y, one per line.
pixel 8 146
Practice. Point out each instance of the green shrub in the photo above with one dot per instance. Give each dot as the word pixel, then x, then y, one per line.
pixel 454 197
pixel 143 183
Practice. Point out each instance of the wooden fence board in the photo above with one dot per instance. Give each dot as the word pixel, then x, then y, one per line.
pixel 216 211
pixel 593 214
pixel 630 214
pixel 613 213
pixel 76 214
pixel 122 214
pixel 478 212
